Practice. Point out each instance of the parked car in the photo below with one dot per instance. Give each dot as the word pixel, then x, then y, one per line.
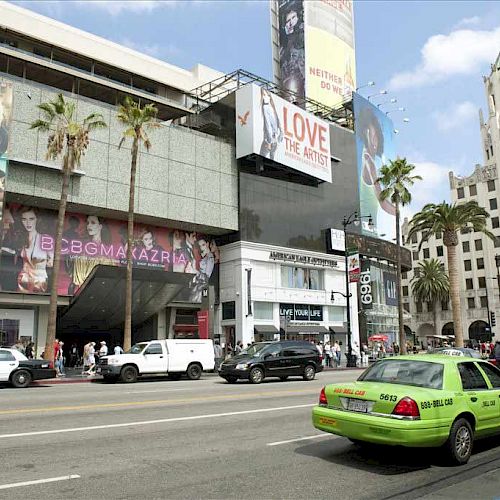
pixel 282 359
pixel 19 371
pixel 173 357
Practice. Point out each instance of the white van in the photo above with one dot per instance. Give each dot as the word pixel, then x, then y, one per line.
pixel 172 357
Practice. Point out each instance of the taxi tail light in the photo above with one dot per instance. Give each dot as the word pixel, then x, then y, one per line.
pixel 322 398
pixel 406 408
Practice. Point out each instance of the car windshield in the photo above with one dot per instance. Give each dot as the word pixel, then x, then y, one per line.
pixel 137 348
pixel 406 372
pixel 255 350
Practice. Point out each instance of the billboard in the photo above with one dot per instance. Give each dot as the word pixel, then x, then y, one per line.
pixel 280 131
pixel 27 254
pixel 390 289
pixel 374 148
pixel 315 44
pixel 353 268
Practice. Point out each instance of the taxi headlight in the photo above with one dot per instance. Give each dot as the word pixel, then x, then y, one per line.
pixel 242 366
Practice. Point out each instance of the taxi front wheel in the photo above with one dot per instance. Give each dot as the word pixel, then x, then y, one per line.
pixel 459 444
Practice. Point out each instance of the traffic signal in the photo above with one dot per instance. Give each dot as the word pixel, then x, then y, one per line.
pixel 493 320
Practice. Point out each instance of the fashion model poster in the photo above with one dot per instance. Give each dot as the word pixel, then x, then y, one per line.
pixel 90 240
pixel 374 148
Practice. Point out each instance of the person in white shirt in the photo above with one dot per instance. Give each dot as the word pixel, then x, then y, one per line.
pixel 118 350
pixel 103 351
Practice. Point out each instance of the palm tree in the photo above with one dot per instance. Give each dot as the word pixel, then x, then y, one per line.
pixel 431 285
pixel 396 177
pixel 448 220
pixel 136 120
pixel 69 138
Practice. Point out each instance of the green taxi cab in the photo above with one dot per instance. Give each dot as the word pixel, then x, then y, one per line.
pixel 416 401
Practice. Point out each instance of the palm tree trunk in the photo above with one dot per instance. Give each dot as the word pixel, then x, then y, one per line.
pixel 402 334
pixel 434 317
pixel 455 294
pixel 127 334
pixel 52 323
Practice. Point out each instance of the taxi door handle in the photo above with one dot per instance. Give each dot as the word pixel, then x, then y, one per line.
pixel 473 399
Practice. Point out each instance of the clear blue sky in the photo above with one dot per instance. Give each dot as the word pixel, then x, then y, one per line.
pixel 430 55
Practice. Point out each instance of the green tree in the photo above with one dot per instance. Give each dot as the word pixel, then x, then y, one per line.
pixel 136 120
pixel 431 285
pixel 448 220
pixel 69 138
pixel 396 178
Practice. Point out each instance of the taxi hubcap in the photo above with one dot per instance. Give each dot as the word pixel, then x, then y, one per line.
pixel 463 441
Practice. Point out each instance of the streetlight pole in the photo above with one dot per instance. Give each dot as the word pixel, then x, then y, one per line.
pixel 353 218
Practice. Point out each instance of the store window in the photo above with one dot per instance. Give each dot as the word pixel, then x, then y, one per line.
pixel 263 310
pixel 493 204
pixel 469 284
pixel 300 277
pixel 473 190
pixel 478 244
pixel 481 282
pixel 495 222
pixel 460 193
pixel 491 186
pixel 439 251
pixel 480 263
pixel 229 310
pixel 468 265
pixel 465 246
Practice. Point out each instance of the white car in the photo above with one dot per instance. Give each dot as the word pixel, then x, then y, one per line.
pixel 19 371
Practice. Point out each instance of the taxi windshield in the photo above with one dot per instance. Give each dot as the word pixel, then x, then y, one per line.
pixel 137 348
pixel 255 349
pixel 406 372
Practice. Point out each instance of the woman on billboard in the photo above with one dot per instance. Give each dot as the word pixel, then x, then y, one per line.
pixel 372 158
pixel 83 263
pixel 148 252
pixel 33 277
pixel 272 134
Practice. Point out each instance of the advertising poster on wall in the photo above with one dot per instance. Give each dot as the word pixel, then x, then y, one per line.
pixel 390 290
pixel 27 254
pixel 280 131
pixel 374 148
pixel 291 46
pixel 353 268
pixel 330 56
pixel 5 118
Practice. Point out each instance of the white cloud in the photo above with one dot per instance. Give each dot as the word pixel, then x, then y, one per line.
pixel 153 49
pixel 459 53
pixel 116 7
pixel 433 188
pixel 455 116
pixel 467 21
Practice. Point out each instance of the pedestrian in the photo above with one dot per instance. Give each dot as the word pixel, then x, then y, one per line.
pixel 355 352
pixel 29 350
pixel 118 350
pixel 336 353
pixel 56 356
pixel 217 354
pixel 238 347
pixel 73 355
pixel 90 359
pixel 86 354
pixel 103 350
pixel 328 354
pixel 496 352
pixel 59 361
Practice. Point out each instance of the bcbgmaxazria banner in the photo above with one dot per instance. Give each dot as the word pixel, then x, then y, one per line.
pixel 27 256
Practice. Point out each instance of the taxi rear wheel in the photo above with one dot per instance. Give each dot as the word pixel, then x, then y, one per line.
pixel 460 441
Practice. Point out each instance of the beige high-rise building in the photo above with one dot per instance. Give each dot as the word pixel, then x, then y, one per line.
pixel 478 255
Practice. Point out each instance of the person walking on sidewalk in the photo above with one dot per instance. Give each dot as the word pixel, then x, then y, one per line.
pixel 217 354
pixel 336 353
pixel 59 361
pixel 328 354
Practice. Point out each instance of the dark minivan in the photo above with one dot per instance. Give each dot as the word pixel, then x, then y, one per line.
pixel 282 359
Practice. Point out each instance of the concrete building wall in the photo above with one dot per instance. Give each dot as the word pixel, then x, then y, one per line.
pixel 186 176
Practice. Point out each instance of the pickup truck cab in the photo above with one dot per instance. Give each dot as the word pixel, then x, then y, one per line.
pixel 172 357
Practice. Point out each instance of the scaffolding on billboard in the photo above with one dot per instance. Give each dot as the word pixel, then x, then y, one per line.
pixel 215 90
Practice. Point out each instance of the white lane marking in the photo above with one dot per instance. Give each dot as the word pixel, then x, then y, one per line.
pixel 276 443
pixel 39 481
pixel 151 422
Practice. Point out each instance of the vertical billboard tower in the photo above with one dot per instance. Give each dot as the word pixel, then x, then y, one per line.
pixel 374 148
pixel 5 117
pixel 313 49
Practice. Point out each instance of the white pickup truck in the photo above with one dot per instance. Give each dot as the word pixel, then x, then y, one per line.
pixel 172 357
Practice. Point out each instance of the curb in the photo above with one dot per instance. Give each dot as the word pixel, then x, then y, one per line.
pixel 56 381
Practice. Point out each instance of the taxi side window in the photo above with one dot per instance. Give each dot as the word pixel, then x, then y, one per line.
pixel 471 377
pixel 6 356
pixel 154 349
pixel 492 373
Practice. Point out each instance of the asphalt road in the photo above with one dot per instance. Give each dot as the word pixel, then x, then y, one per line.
pixel 206 438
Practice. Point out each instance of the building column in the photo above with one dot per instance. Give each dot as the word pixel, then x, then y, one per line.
pixel 42 325
pixel 161 322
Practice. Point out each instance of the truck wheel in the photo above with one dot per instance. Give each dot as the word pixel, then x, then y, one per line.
pixel 459 444
pixel 21 379
pixel 129 374
pixel 194 371
pixel 256 375
pixel 309 373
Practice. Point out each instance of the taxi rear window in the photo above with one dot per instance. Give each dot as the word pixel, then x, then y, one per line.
pixel 406 372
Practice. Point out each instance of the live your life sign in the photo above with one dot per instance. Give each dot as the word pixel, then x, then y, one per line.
pixel 274 128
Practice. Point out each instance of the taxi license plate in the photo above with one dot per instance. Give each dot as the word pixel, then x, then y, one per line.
pixel 357 405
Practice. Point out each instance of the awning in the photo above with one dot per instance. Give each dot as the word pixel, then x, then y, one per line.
pixel 265 329
pixel 338 330
pixel 306 329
